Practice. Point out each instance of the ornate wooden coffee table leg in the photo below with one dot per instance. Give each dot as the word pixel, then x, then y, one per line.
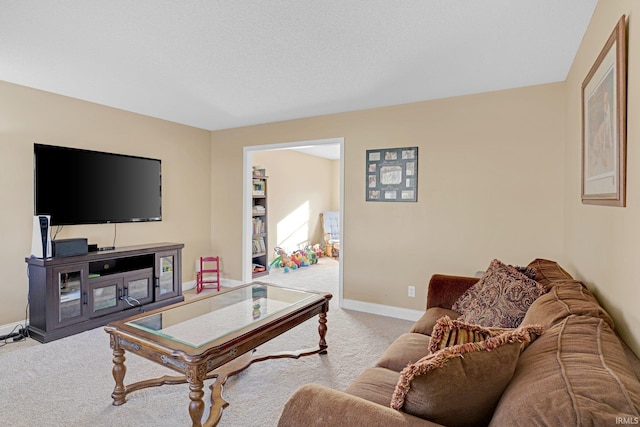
pixel 196 375
pixel 118 371
pixel 322 330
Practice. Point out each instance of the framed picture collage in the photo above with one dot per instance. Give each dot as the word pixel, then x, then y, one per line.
pixel 392 175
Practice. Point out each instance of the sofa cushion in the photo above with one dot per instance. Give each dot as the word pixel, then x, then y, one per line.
pixel 548 272
pixel 500 299
pixel 472 374
pixel 425 324
pixel 375 385
pixel 575 373
pixel 407 348
pixel 314 405
pixel 567 297
pixel 447 333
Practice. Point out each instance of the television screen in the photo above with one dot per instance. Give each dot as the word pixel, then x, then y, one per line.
pixel 90 187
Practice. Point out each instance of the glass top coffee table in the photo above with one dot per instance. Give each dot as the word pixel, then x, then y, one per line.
pixel 213 336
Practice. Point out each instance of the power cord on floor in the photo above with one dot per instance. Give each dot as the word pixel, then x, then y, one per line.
pixel 17 334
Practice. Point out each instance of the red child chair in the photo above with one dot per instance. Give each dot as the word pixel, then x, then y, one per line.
pixel 209 273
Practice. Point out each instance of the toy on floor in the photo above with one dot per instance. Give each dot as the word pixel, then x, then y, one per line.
pixel 283 260
pixel 312 255
pixel 304 257
pixel 319 251
pixel 300 258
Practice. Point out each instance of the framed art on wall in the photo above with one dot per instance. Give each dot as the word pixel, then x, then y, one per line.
pixel 604 123
pixel 392 175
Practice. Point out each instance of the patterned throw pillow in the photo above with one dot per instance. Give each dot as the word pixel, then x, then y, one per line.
pixel 472 293
pixel 447 333
pixel 461 385
pixel 502 298
pixel 466 299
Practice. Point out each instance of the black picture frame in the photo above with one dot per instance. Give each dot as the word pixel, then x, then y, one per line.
pixel 392 175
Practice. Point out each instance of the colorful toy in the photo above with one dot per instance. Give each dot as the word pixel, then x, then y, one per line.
pixel 282 260
pixel 300 258
pixel 312 255
pixel 304 256
pixel 317 248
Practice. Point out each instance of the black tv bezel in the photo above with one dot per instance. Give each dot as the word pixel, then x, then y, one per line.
pixel 91 222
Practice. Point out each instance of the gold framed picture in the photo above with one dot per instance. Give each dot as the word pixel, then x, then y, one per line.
pixel 604 124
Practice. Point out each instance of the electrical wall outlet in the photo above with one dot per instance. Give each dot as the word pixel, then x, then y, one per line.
pixel 412 291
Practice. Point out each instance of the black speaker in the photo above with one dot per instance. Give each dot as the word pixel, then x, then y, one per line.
pixel 70 247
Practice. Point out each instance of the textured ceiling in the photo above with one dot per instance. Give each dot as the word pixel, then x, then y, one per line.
pixel 223 64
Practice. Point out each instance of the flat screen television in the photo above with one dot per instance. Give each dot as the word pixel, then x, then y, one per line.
pixel 90 187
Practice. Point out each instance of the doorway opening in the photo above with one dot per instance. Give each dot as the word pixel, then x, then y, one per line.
pixel 312 147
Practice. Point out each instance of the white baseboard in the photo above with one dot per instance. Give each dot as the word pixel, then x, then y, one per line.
pixel 191 284
pixel 382 310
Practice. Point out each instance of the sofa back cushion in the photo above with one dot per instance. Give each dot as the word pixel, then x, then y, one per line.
pixel 548 272
pixel 407 348
pixel 564 299
pixel 575 373
pixel 426 323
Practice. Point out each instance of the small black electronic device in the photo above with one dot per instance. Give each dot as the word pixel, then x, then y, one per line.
pixel 44 233
pixel 69 247
pixel 41 240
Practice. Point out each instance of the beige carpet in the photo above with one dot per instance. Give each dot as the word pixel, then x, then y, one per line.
pixel 68 382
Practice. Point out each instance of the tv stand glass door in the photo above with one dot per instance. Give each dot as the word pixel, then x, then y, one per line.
pixel 71 295
pixel 166 280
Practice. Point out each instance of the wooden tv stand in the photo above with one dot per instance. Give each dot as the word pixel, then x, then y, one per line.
pixel 72 294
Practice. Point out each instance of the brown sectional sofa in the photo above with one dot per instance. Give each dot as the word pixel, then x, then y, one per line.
pixel 577 372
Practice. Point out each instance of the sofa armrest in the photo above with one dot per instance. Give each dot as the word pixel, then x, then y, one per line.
pixel 444 290
pixel 316 405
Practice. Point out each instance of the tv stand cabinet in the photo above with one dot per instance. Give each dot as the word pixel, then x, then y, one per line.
pixel 72 294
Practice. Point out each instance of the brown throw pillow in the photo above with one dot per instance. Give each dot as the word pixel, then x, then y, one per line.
pixel 447 333
pixel 472 375
pixel 503 297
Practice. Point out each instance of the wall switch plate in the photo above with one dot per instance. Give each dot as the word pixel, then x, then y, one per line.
pixel 412 291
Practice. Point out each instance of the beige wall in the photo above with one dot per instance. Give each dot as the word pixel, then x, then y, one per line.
pixel 601 244
pixel 299 188
pixel 28 116
pixel 490 186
